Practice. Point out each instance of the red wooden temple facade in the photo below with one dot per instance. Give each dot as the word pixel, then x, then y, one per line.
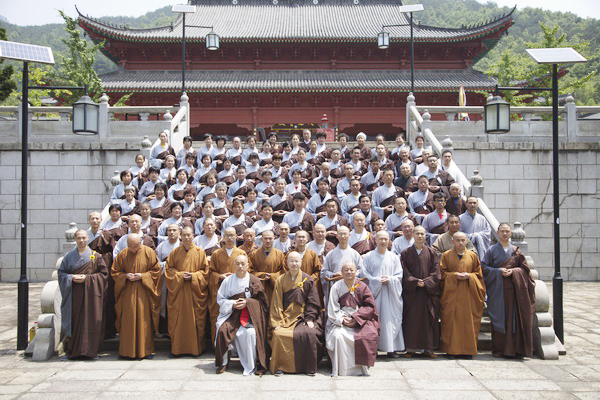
pixel 287 62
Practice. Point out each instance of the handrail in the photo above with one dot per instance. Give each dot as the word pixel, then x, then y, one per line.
pixel 491 218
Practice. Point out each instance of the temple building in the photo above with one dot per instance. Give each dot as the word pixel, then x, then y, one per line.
pixel 285 63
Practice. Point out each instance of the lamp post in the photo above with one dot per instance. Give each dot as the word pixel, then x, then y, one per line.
pixel 383 39
pixel 211 39
pixel 552 56
pixel 39 54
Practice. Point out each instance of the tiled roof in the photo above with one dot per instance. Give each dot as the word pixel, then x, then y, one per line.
pixel 296 81
pixel 295 23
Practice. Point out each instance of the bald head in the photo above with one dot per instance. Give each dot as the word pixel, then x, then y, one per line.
pixel 134 242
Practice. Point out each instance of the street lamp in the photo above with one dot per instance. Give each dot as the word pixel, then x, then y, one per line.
pixel 211 39
pixel 85 116
pixel 39 54
pixel 383 39
pixel 497 115
pixel 552 56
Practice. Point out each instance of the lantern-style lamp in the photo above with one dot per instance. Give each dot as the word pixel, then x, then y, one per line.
pixel 85 116
pixel 497 115
pixel 212 41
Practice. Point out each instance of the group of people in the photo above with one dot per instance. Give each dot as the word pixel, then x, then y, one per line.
pixel 276 255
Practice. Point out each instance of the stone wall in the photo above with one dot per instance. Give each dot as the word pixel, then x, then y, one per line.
pixel 67 181
pixel 517 178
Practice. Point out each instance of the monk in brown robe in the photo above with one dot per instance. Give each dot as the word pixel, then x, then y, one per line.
pixel 82 279
pixel 421 295
pixel 137 275
pixel 463 294
pixel 249 241
pixel 511 297
pixel 187 298
pixel 219 268
pixel 267 263
pixel 311 262
pixel 295 321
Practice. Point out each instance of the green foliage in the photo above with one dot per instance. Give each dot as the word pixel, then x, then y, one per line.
pixel 7 85
pixel 76 67
pixel 39 75
pixel 533 27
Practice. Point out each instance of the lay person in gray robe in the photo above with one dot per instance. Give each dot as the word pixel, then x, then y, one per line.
pixel 383 271
pixel 82 279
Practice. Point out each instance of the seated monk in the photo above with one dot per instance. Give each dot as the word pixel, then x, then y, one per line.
pixel 352 330
pixel 295 321
pixel 242 320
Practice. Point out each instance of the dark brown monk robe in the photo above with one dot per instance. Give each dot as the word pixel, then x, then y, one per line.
pixel 421 304
pixel 103 244
pixel 456 206
pixel 286 205
pixel 82 325
pixel 262 264
pixel 461 303
pixel 163 211
pixel 137 303
pixel 220 263
pixel 364 246
pixel 248 247
pixel 311 265
pixel 230 319
pixel 187 300
pixel 511 301
pixel 295 346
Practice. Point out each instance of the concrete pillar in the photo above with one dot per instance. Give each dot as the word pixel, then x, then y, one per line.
pixel 476 185
pixel 571 119
pixel 410 102
pixel 103 122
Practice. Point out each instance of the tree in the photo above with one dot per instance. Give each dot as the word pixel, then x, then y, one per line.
pixel 514 68
pixel 76 68
pixel 7 84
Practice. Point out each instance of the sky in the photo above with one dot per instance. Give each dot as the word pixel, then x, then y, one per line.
pixel 40 12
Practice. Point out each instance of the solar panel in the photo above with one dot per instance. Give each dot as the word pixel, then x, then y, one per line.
pixel 183 8
pixel 562 55
pixel 26 52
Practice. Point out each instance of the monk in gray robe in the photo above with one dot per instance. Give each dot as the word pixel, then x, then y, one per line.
pixel 383 271
pixel 510 297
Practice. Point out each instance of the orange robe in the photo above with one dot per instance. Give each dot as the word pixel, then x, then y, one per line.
pixel 187 299
pixel 273 265
pixel 137 303
pixel 461 303
pixel 220 263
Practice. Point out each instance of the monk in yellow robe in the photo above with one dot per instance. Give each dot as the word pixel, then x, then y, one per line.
pixel 463 294
pixel 220 267
pixel 311 263
pixel 187 297
pixel 295 321
pixel 137 275
pixel 267 263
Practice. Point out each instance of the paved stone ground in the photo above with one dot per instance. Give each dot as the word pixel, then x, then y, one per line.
pixel 576 375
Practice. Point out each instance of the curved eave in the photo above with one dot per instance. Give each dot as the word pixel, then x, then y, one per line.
pixel 292 91
pixel 105 31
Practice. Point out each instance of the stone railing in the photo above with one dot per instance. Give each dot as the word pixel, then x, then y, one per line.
pixel 576 124
pixel 545 343
pixel 115 124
